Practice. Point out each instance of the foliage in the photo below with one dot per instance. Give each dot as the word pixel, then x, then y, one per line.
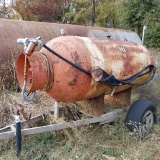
pixel 40 10
pixel 153 36
pixel 45 10
pixel 84 143
pixel 136 13
pixel 80 12
pixel 83 17
pixel 23 10
pixel 70 16
pixel 5 10
pixel 106 13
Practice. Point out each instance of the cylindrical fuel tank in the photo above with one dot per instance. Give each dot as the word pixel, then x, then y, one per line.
pixel 68 84
pixel 11 30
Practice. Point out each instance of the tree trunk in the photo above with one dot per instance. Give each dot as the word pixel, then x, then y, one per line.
pixel 137 29
pixel 93 13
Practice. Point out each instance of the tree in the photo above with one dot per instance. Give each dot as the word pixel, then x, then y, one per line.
pixel 45 10
pixel 136 13
pixel 40 10
pixel 93 12
pixel 83 17
pixel 82 12
pixel 152 37
pixel 5 9
pixel 22 7
pixel 106 13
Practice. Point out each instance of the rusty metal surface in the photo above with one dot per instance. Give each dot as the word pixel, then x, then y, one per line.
pixel 11 30
pixel 122 59
pixel 120 99
pixel 92 107
pixel 114 34
pixel 36 71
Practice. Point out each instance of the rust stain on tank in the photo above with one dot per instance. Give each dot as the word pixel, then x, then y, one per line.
pixel 120 99
pixel 72 82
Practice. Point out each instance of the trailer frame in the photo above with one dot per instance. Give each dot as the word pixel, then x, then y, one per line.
pixel 10 131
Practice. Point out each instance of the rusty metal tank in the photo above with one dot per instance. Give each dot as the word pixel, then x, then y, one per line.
pixel 68 84
pixel 11 30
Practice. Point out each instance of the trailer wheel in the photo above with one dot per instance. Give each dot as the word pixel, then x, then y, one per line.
pixel 141 116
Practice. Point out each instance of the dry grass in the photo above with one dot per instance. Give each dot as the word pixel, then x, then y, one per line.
pixel 8 79
pixel 11 102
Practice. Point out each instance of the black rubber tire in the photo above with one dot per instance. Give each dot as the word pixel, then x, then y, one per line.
pixel 18 138
pixel 137 111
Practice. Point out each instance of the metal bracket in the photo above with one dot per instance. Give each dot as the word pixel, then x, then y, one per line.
pixel 113 90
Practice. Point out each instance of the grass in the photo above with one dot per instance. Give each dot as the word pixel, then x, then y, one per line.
pixel 91 142
pixel 86 142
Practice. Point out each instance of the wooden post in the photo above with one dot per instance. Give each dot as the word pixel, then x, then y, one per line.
pixel 56 110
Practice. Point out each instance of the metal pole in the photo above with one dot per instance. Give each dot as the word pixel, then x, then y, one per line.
pixel 144 28
pixel 18 133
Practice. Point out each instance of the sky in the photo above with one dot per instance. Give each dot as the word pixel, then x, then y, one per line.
pixel 7 2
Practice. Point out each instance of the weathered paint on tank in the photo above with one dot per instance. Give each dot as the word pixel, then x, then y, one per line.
pixel 11 30
pixel 122 59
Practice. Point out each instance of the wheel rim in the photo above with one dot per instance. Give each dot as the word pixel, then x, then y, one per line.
pixel 147 121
